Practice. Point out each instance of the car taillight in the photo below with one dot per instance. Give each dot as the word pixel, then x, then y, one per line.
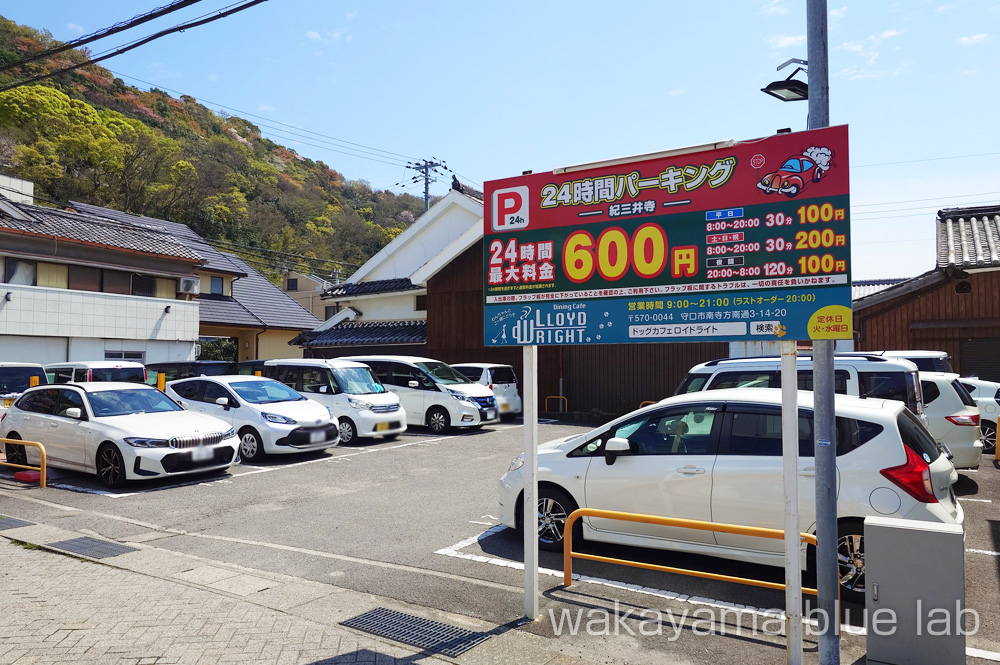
pixel 913 477
pixel 491 386
pixel 90 375
pixel 145 376
pixel 2 416
pixel 964 420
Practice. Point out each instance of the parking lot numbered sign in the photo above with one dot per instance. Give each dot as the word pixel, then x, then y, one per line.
pixel 745 242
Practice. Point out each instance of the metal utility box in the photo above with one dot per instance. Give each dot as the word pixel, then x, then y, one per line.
pixel 914 592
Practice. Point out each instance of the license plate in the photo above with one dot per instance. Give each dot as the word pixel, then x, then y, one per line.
pixel 381 427
pixel 504 408
pixel 202 454
pixel 317 437
pixel 7 403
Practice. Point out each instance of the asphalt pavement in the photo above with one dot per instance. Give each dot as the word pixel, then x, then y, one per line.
pixel 411 525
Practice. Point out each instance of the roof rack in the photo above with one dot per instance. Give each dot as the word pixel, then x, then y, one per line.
pixel 845 354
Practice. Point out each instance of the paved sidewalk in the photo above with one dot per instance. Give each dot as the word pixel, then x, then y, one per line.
pixel 58 609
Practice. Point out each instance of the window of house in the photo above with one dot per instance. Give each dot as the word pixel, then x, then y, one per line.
pixel 293 284
pixel 217 286
pixel 139 356
pixel 143 286
pixel 421 303
pixel 21 272
pixel 330 310
pixel 82 278
pixel 116 281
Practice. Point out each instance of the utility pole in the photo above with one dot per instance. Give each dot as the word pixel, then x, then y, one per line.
pixel 827 568
pixel 426 170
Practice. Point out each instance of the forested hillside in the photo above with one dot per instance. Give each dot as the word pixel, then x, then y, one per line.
pixel 87 136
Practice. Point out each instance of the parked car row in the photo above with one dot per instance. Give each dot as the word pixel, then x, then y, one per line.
pixel 101 417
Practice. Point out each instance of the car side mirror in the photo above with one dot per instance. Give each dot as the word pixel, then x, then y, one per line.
pixel 73 412
pixel 413 384
pixel 614 447
pixel 223 402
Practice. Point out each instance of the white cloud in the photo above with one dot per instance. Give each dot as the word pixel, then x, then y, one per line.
pixel 970 72
pixel 315 36
pixel 837 14
pixel 677 91
pixel 335 35
pixel 784 41
pixel 266 108
pixel 774 7
pixel 886 34
pixel 974 39
pixel 943 8
pixel 78 29
pixel 213 77
pixel 352 14
pixel 867 48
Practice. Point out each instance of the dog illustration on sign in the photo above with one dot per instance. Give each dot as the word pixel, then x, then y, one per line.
pixel 797 172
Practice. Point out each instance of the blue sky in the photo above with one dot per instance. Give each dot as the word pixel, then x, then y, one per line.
pixel 498 88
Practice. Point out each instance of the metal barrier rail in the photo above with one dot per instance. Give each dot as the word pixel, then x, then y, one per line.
pixel 718 527
pixel 41 450
pixel 565 403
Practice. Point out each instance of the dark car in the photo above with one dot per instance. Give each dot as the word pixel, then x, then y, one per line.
pixel 190 368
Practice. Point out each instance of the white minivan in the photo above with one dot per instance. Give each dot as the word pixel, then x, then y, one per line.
pixel 363 406
pixel 952 417
pixel 987 396
pixel 432 393
pixel 127 371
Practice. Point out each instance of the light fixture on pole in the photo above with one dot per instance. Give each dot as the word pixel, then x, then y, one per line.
pixel 789 89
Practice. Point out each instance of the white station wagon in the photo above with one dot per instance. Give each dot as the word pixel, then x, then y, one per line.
pixel 716 456
pixel 120 431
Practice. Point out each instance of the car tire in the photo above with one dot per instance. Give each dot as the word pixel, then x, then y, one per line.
pixel 792 192
pixel 16 454
pixel 554 507
pixel 989 431
pixel 348 432
pixel 110 466
pixel 438 420
pixel 851 561
pixel 390 437
pixel 251 445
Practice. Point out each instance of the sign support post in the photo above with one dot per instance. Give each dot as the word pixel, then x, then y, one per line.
pixel 530 517
pixel 790 477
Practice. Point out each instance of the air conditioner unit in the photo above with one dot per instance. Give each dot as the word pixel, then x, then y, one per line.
pixel 189 285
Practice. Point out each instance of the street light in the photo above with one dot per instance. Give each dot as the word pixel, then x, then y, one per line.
pixel 789 89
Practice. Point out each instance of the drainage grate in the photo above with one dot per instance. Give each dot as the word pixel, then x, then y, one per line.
pixel 12 523
pixel 92 547
pixel 416 631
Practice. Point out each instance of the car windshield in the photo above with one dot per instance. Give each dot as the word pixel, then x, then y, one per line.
pixel 692 383
pixel 442 373
pixel 791 165
pixel 265 392
pixel 358 381
pixel 18 379
pixel 106 403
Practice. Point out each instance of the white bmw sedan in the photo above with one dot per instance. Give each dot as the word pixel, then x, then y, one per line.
pixel 120 431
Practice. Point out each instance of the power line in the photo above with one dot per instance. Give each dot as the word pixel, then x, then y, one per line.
pixel 220 241
pixel 936 198
pixel 929 159
pixel 926 207
pixel 104 32
pixel 253 115
pixel 138 43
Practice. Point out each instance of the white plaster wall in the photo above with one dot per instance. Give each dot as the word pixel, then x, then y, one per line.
pixel 43 312
pixel 388 308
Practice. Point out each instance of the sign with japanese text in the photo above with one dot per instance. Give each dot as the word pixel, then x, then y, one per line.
pixel 745 243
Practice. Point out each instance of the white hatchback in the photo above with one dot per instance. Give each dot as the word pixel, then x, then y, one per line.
pixel 498 378
pixel 952 417
pixel 120 431
pixel 716 456
pixel 269 417
pixel 987 396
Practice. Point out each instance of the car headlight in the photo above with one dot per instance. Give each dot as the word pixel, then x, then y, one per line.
pixel 461 397
pixel 275 418
pixel 359 404
pixel 516 463
pixel 229 435
pixel 142 442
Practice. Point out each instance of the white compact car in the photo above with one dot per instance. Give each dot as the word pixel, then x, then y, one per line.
pixel 97 370
pixel 716 456
pixel 498 378
pixel 120 431
pixel 362 405
pixel 269 417
pixel 987 396
pixel 952 417
pixel 432 393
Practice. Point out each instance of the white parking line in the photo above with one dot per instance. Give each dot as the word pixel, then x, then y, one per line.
pixel 985 655
pixel 962 498
pixel 987 552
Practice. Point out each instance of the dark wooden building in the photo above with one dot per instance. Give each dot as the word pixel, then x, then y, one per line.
pixel 953 308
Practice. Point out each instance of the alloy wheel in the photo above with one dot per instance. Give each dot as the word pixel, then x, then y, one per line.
pixel 851 561
pixel 248 446
pixel 110 467
pixel 346 432
pixel 551 520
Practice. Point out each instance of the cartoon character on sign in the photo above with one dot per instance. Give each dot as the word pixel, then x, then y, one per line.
pixel 797 172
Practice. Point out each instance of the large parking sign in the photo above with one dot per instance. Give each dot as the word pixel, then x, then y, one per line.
pixel 746 243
